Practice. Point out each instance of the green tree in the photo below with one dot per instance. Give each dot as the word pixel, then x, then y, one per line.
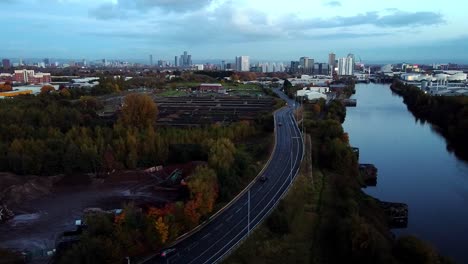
pixel 221 153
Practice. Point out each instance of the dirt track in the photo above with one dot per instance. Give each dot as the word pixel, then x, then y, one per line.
pixel 39 222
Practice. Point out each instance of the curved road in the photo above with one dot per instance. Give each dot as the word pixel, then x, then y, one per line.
pixel 215 240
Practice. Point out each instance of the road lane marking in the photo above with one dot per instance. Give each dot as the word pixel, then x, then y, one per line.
pixel 229 218
pixel 170 259
pixel 218 227
pixel 205 236
pixel 213 244
pixel 192 246
pixel 267 207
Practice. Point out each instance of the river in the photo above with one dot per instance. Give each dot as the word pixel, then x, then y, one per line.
pixel 414 168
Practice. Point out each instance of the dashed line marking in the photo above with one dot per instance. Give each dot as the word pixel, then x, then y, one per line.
pixel 207 235
pixel 229 218
pixel 192 246
pixel 218 227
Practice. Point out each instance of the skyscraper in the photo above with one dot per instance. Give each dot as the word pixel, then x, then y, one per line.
pixel 151 59
pixel 223 65
pixel 304 62
pixel 346 66
pixel 350 55
pixel 6 63
pixel 242 63
pixel 185 60
pixel 331 60
pixel 176 61
pixel 46 62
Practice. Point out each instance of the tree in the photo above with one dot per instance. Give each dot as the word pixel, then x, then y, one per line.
pixel 139 111
pixel 46 89
pixel 162 229
pixel 5 87
pixel 221 153
pixel 65 93
pixel 203 186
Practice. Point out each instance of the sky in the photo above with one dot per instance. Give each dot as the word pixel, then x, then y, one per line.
pixel 375 31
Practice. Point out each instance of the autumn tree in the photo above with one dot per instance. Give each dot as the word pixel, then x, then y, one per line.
pixel 5 87
pixel 46 89
pixel 139 111
pixel 65 93
pixel 203 186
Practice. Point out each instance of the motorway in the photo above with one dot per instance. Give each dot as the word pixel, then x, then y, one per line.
pixel 229 228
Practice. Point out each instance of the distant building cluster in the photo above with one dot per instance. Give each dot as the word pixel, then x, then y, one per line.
pixel 26 76
pixel 436 79
pixel 185 60
pixel 306 65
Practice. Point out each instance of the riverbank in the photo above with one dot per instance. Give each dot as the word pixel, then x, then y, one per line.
pixel 328 218
pixel 448 114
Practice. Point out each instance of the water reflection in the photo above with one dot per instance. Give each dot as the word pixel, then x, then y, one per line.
pixel 416 167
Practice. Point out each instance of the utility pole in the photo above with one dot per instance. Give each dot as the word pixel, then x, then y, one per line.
pixel 248 213
pixel 290 174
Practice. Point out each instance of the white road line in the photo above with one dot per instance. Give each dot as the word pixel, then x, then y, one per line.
pixel 192 246
pixel 266 207
pixel 213 244
pixel 229 218
pixel 218 227
pixel 205 236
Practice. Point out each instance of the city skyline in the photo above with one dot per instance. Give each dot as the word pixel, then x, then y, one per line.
pixel 222 29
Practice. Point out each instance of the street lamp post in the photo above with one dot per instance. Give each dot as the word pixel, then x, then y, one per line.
pixel 248 212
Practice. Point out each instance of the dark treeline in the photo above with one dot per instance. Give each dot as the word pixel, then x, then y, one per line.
pixel 448 114
pixel 46 135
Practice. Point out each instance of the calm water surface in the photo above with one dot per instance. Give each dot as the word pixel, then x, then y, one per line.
pixel 414 168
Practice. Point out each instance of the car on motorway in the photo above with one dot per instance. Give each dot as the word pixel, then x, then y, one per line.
pixel 280 124
pixel 167 252
pixel 263 178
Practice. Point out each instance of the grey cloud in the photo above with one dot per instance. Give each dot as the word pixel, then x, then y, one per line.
pixel 228 24
pixel 333 3
pixel 401 19
pixel 174 5
pixel 394 19
pixel 107 11
pixel 125 8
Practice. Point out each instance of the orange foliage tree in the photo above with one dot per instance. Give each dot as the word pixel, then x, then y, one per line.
pixel 162 228
pixel 139 111
pixel 46 89
pixel 203 186
pixel 5 87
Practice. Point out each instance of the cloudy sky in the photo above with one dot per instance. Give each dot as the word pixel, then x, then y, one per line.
pixel 215 29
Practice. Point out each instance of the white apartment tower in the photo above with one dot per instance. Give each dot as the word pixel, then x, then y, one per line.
pixel 242 63
pixel 346 66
